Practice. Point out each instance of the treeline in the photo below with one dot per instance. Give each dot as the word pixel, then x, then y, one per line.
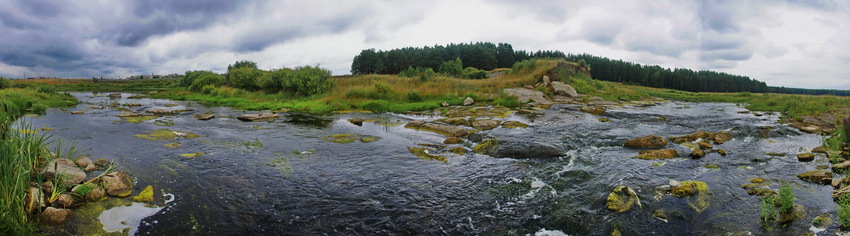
pixel 679 78
pixel 302 80
pixel 809 91
pixel 481 55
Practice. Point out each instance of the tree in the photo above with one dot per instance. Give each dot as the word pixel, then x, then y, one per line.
pixel 505 55
pixel 452 68
pixel 242 64
pixel 244 78
pixel 5 83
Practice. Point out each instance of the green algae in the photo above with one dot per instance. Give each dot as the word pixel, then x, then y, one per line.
pixel 145 196
pixel 485 146
pixel 458 150
pixel 282 165
pixel 138 119
pixel 165 135
pixel 163 122
pixel 350 138
pixel 514 124
pixel 192 155
pixel 423 153
pixel 168 170
pixel 173 145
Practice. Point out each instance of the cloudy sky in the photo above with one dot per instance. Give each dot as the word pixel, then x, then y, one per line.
pixel 796 43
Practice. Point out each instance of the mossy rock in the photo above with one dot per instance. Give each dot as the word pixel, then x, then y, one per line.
pixel 456 121
pixel 458 150
pixel 818 176
pixel 486 146
pixel 757 180
pixel 514 124
pixel 138 119
pixel 621 199
pixel 697 192
pixel 145 196
pixel 453 140
pixel 423 153
pixel 657 154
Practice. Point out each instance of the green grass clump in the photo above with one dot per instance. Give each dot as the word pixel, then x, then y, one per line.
pixel 774 205
pixel 21 155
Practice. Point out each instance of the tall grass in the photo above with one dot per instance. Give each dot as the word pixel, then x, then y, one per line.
pixel 21 154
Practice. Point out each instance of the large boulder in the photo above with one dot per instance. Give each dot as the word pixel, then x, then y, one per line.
pixel 621 199
pixel 818 176
pixel 697 153
pixel 805 157
pixel 563 89
pixel 518 149
pixel 694 136
pixel 447 130
pixel 53 215
pixel 257 117
pixel 117 184
pixel 160 111
pixel 527 95
pixel 651 141
pixel 456 121
pixel 67 169
pixel 468 101
pixel 485 124
pixel 657 154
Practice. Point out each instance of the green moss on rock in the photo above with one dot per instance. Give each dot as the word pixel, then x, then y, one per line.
pixel 145 196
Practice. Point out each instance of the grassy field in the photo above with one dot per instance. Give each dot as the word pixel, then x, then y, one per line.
pixel 391 93
pixel 22 152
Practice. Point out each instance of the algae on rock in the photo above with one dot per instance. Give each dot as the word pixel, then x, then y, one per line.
pixel 621 199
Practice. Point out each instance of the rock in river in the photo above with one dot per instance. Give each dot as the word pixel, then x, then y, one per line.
pixel 564 90
pixel 67 169
pixel 657 154
pixel 53 215
pixel 818 176
pixel 447 130
pixel 518 149
pixel 622 199
pixel 204 116
pixel 805 157
pixel 257 117
pixel 651 141
pixel 485 124
pixel 117 184
pixel 468 101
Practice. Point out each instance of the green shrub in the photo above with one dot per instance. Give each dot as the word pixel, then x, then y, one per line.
pixel 307 80
pixel 244 78
pixel 424 74
pixel 206 79
pixel 452 68
pixel 843 210
pixel 472 73
pixel 413 96
pixel 5 83
pixel 189 78
pixel 773 205
pixel 786 198
pixel 524 66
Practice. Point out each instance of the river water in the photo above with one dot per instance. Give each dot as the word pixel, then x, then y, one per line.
pixel 279 177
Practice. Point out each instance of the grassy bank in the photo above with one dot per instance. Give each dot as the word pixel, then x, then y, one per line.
pixel 21 154
pixel 98 85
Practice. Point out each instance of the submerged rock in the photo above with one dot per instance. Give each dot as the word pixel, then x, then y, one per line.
pixel 704 145
pixel 117 184
pixel 818 176
pixel 453 140
pixel 820 149
pixel 518 149
pixel 697 192
pixel 65 169
pixel 258 117
pixel 651 141
pixel 129 114
pixel 451 131
pixel 694 136
pixel 797 212
pixel 424 153
pixel 657 154
pixel 52 215
pixel 596 110
pixel 621 199
pixel 356 121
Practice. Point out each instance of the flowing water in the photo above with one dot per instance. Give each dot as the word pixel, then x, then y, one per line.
pixel 280 177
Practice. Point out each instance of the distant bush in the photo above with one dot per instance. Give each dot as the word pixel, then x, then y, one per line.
pixel 5 83
pixel 423 73
pixel 307 80
pixel 190 77
pixel 472 73
pixel 452 68
pixel 205 79
pixel 524 66
pixel 244 78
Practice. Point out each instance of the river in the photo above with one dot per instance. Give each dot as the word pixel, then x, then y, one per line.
pixel 279 177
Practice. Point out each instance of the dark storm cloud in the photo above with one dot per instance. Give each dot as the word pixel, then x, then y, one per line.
pixel 161 17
